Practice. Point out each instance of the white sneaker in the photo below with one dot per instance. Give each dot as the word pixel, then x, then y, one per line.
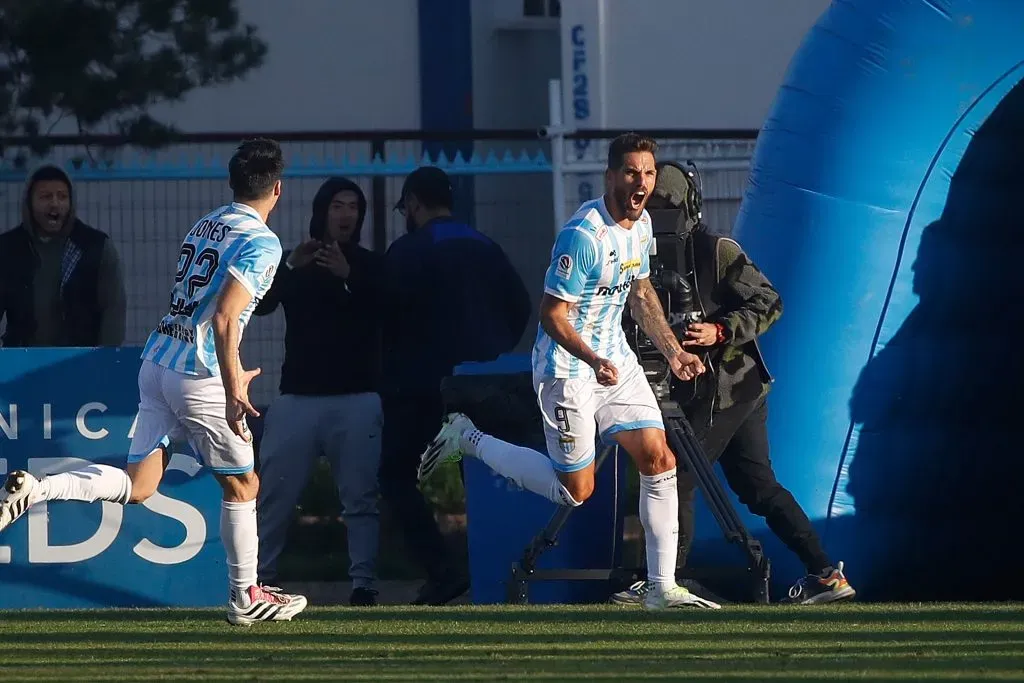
pixel 21 487
pixel 258 603
pixel 446 446
pixel 676 596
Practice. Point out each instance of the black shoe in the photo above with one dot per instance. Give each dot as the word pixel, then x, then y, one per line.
pixel 442 592
pixel 363 597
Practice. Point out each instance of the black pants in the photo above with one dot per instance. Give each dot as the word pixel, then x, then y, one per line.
pixel 410 422
pixel 738 438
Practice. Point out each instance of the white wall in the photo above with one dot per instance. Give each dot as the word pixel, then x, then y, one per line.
pixel 694 64
pixel 331 65
pixel 512 63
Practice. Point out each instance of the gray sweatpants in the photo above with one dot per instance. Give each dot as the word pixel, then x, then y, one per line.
pixel 298 430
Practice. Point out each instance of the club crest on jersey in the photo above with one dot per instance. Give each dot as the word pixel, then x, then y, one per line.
pixel 564 267
pixel 567 444
pixel 268 274
pixel 601 232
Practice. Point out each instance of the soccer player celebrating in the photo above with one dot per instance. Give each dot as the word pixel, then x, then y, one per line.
pixel 587 377
pixel 192 385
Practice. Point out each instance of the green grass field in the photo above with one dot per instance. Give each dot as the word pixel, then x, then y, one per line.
pixel 536 643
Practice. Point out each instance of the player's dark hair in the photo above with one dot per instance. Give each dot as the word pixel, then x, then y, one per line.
pixel 628 143
pixel 255 168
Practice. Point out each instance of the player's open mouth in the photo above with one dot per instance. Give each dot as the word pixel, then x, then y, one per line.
pixel 53 219
pixel 637 199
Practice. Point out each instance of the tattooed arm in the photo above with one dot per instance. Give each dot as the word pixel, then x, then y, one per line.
pixel 646 310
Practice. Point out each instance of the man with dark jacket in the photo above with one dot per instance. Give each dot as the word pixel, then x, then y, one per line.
pixel 329 287
pixel 60 280
pixel 452 296
pixel 727 406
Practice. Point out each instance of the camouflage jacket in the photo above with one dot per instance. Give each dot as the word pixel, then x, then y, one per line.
pixel 734 292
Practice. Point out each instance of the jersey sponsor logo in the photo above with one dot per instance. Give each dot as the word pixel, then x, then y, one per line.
pixel 177 332
pixel 617 289
pixel 564 267
pixel 627 265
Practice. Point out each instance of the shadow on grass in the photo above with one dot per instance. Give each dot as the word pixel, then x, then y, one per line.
pixel 598 663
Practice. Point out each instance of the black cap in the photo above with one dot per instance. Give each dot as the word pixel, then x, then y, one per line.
pixel 431 186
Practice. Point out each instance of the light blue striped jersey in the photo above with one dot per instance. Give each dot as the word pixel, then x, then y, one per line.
pixel 230 241
pixel 593 264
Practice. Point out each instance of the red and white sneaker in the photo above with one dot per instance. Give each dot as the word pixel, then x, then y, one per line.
pixel 256 603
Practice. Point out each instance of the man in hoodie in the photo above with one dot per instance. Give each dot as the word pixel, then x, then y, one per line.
pixel 452 297
pixel 329 405
pixel 60 280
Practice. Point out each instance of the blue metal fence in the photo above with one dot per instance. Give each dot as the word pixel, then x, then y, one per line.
pixel 147 200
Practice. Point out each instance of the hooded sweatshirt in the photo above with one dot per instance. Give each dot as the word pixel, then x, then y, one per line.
pixel 60 290
pixel 332 333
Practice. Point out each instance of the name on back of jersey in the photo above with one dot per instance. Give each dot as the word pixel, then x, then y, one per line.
pixel 210 229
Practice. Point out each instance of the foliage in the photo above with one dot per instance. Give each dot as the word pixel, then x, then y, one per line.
pixel 104 63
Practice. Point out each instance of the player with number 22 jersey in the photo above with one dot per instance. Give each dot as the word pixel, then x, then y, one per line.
pixel 232 241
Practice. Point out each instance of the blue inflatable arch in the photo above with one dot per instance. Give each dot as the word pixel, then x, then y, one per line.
pixel 886 202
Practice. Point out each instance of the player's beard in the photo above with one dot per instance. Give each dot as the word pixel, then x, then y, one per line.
pixel 621 196
pixel 410 224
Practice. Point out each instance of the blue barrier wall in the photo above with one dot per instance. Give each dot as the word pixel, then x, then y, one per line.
pixel 58 408
pixel 884 204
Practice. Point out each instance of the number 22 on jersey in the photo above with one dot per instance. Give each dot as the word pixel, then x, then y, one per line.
pixel 196 269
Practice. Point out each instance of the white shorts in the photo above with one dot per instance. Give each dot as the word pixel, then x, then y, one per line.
pixel 576 410
pixel 175 408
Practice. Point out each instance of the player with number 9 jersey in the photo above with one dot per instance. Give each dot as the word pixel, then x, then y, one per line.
pixel 232 241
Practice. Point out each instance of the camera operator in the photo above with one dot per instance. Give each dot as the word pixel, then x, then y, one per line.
pixel 731 304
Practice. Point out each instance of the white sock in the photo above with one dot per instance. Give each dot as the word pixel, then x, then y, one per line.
pixel 659 515
pixel 88 485
pixel 241 543
pixel 526 467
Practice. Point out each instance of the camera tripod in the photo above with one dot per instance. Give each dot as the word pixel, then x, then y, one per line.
pixel 690 456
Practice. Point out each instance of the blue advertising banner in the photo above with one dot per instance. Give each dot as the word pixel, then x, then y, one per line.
pixel 61 409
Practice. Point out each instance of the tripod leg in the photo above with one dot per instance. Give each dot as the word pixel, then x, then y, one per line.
pixel 683 439
pixel 708 485
pixel 549 534
pixel 547 538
